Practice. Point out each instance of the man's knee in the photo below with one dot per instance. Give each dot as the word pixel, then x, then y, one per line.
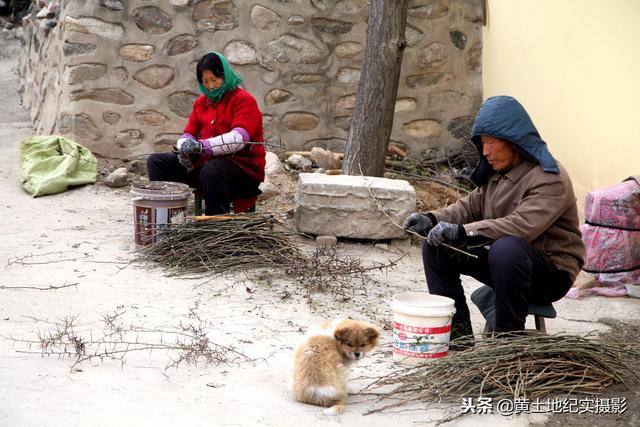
pixel 506 249
pixel 507 254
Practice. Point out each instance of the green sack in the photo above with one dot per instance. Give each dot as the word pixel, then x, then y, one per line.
pixel 50 164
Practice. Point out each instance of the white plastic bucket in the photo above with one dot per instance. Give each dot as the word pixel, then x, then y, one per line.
pixel 421 326
pixel 156 204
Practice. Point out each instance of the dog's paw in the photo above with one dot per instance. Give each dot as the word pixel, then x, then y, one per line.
pixel 336 409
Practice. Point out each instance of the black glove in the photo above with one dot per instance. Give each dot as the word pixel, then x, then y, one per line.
pixel 190 148
pixel 445 231
pixel 418 223
pixel 185 161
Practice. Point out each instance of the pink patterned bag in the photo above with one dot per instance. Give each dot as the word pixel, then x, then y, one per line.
pixel 611 234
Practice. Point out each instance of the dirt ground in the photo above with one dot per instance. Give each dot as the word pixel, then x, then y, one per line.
pixel 68 272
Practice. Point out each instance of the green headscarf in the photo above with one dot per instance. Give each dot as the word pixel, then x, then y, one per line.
pixel 231 81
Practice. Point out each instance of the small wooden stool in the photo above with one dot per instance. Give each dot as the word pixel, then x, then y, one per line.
pixel 484 298
pixel 237 205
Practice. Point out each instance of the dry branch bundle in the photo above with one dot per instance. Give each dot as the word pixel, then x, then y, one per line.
pixel 512 367
pixel 251 241
pixel 220 245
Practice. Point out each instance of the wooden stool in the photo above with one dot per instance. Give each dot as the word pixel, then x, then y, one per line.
pixel 237 205
pixel 484 298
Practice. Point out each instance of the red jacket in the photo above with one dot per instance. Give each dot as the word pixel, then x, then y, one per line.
pixel 236 109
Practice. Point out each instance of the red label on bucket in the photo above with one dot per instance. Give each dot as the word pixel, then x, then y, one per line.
pixel 420 355
pixel 421 330
pixel 421 342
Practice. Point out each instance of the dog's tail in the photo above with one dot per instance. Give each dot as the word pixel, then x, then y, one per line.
pixel 336 409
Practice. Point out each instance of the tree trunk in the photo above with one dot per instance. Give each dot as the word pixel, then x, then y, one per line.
pixel 372 117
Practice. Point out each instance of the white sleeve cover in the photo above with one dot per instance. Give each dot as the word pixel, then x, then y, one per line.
pixel 226 143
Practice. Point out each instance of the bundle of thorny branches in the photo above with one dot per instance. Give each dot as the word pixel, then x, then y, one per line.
pixel 219 245
pixel 250 241
pixel 511 367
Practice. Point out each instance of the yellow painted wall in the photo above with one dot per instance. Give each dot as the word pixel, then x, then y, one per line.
pixel 575 66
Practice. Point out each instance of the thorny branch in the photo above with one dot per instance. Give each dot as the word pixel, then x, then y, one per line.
pixel 188 343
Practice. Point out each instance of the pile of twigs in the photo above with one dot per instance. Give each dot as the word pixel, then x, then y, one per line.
pixel 325 270
pixel 221 245
pixel 510 368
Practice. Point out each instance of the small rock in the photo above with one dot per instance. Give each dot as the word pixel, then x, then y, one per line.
pixel 273 164
pixel 138 167
pixel 632 290
pixel 585 281
pixel 295 20
pixel 326 240
pixel 397 151
pixel 116 5
pixel 274 170
pixel 383 246
pixel 118 178
pixel 324 158
pixel 299 162
pixel 268 189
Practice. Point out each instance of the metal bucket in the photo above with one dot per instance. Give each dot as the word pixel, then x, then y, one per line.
pixel 155 205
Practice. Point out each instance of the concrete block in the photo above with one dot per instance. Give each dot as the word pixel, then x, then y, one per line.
pixel 351 206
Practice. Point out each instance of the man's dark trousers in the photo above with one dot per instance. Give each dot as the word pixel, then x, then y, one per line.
pixel 518 273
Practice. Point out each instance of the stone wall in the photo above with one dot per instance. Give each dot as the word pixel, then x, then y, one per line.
pixel 119 75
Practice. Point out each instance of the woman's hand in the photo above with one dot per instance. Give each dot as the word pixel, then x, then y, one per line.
pixel 189 147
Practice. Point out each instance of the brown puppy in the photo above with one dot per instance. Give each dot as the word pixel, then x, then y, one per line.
pixel 322 360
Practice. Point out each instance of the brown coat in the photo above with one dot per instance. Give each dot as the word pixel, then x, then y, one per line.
pixel 529 203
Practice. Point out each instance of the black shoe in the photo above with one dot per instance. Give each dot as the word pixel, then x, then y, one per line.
pixel 461 336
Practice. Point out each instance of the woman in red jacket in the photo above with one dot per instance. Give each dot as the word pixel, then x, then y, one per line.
pixel 215 153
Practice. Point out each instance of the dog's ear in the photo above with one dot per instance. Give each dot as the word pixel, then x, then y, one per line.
pixel 371 333
pixel 342 334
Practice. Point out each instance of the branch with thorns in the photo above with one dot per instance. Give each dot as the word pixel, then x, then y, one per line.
pixel 189 342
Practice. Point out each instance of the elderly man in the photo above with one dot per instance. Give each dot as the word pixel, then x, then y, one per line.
pixel 521 223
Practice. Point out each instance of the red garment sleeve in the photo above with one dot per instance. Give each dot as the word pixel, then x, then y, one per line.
pixel 193 127
pixel 246 114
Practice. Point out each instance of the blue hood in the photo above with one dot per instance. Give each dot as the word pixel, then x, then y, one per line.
pixel 506 118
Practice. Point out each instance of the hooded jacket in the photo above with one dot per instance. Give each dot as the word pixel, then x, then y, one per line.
pixel 534 200
pixel 506 118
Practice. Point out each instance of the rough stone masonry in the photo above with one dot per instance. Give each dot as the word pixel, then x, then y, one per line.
pixel 119 76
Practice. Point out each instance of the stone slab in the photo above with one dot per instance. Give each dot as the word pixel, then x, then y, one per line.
pixel 352 206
